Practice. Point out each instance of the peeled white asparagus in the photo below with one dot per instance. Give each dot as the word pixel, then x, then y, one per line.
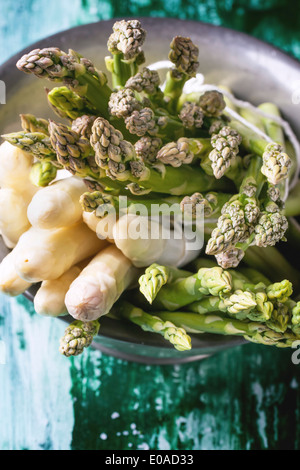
pixel 7 242
pixel 146 241
pixel 103 227
pixel 100 284
pixel 50 298
pixel 46 254
pixel 15 167
pixel 57 205
pixel 10 282
pixel 13 212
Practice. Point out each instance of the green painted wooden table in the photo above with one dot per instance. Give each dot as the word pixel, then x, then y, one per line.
pixel 244 398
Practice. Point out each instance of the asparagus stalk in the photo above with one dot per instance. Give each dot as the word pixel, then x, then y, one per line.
pixel 273 129
pixel 253 118
pixel 237 304
pixel 46 254
pixel 78 73
pixel 140 119
pixel 184 55
pixel 218 324
pixel 254 275
pixel 35 143
pixel 292 205
pixel 208 281
pixel 272 264
pixel 125 45
pixel 50 298
pixel 276 163
pixel 78 336
pixel 156 276
pixel 104 203
pixel 146 83
pixel 293 233
pixel 146 149
pixel 251 279
pixel 183 151
pixel 117 156
pixel 13 212
pixel 83 125
pixel 152 323
pixel 57 205
pixel 76 155
pixel 102 227
pixel 192 116
pixel 67 104
pixel 32 124
pixel 10 282
pixel 42 173
pixel 145 241
pixel 239 215
pixel 275 132
pixel 15 166
pixel 100 284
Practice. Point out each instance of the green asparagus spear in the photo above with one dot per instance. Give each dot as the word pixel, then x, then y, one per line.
pixel 117 156
pixel 68 104
pixel 125 45
pixel 36 143
pixel 75 71
pixel 207 281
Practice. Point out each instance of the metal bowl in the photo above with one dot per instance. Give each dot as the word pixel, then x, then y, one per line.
pixel 254 70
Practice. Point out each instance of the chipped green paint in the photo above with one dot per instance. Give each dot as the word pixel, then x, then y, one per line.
pixel 243 398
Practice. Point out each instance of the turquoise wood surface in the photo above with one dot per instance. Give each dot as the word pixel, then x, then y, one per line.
pixel 244 398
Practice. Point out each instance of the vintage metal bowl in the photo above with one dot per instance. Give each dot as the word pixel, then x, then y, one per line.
pixel 254 70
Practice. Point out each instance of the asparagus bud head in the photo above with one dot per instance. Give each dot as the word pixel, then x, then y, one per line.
pixel 276 163
pixel 78 336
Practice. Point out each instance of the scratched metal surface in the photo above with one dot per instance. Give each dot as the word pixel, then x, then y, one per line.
pixel 243 398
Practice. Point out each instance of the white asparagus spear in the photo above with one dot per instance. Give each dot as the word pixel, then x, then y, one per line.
pixel 46 254
pixel 132 235
pixel 50 298
pixel 100 284
pixel 15 167
pixel 10 282
pixel 145 241
pixel 57 205
pixel 13 212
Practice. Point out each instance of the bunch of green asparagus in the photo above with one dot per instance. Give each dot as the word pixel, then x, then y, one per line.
pixel 125 133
